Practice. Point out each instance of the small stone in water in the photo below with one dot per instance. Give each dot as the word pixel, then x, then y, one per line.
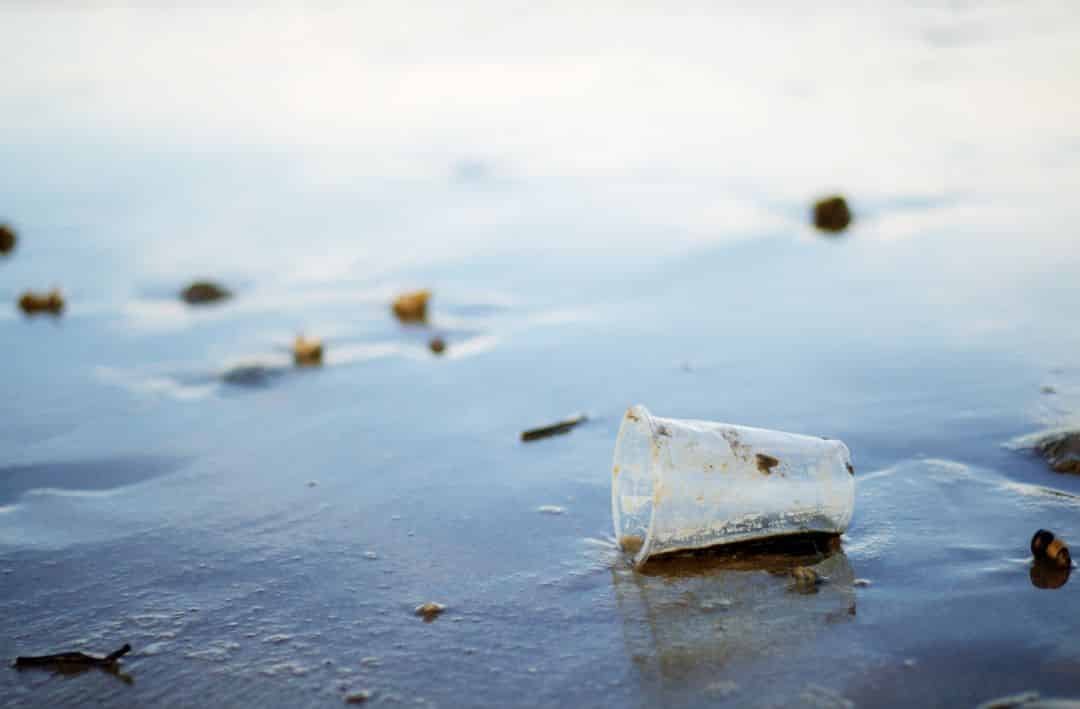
pixel 631 543
pixel 1061 451
pixel 861 583
pixel 832 214
pixel 7 238
pixel 358 697
pixel 412 306
pixel 307 352
pixel 1046 547
pixel 430 610
pixel 202 292
pixel 437 345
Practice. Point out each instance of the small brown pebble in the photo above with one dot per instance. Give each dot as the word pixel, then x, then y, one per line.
pixel 1046 547
pixel 358 697
pixel 202 292
pixel 51 302
pixel 631 543
pixel 307 352
pixel 7 238
pixel 437 345
pixel 832 214
pixel 412 306
pixel 430 610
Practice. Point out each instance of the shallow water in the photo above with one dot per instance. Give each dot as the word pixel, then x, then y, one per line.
pixel 600 228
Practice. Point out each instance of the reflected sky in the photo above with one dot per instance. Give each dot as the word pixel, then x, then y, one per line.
pixel 401 135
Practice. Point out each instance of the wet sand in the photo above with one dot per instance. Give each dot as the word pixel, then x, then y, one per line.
pixel 263 534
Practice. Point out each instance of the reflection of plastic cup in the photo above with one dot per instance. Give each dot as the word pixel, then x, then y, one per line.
pixel 695 621
pixel 680 484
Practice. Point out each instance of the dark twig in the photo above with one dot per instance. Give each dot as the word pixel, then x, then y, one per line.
pixel 554 429
pixel 72 658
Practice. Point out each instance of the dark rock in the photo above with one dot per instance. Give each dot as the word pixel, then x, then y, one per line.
pixel 7 238
pixel 1061 451
pixel 437 345
pixel 832 214
pixel 1047 548
pixel 201 292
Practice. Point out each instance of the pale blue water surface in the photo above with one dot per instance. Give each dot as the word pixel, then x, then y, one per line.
pixel 610 206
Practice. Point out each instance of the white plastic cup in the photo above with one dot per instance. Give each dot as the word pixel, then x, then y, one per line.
pixel 679 484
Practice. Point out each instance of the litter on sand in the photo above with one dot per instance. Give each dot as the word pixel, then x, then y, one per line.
pixel 564 426
pixel 680 485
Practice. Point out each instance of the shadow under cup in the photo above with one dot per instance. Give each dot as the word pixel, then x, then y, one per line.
pixel 681 485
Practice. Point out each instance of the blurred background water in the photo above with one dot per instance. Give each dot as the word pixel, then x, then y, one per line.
pixel 611 206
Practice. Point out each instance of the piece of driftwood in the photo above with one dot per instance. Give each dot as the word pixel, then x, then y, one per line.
pixel 202 292
pixel 72 658
pixel 554 429
pixel 32 303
